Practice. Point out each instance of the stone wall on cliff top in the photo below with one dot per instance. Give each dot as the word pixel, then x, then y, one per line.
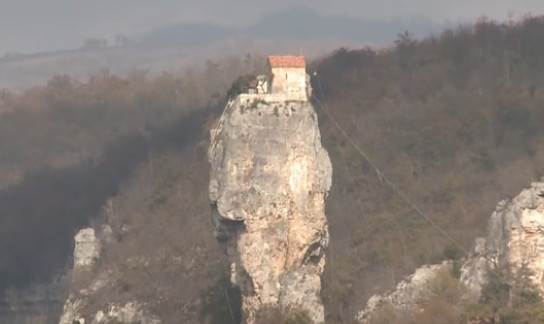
pixel 269 180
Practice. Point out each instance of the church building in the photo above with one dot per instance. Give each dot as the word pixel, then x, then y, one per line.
pixel 288 77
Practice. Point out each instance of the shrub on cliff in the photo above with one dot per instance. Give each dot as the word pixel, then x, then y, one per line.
pixel 240 85
pixel 443 303
pixel 518 302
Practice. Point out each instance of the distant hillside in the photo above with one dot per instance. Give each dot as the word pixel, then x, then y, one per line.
pixel 304 24
pixel 189 35
pixel 300 24
pixel 177 46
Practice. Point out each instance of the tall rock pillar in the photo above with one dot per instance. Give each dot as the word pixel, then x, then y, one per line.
pixel 269 180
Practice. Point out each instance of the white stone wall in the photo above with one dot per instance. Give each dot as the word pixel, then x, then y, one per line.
pixel 290 82
pixel 250 98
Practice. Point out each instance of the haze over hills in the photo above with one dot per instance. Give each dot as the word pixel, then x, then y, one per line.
pixel 300 24
pixel 176 46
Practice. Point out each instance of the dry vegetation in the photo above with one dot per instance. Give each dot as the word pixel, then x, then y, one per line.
pixel 69 147
pixel 501 303
pixel 454 120
pixel 282 315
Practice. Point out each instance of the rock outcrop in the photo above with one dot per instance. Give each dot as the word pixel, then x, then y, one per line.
pixel 473 272
pixel 87 248
pixel 407 294
pixel 124 314
pixel 128 313
pixel 269 180
pixel 515 240
pixel 516 234
pixel 86 284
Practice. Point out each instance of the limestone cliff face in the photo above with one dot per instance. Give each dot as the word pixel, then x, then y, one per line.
pixel 516 233
pixel 269 180
pixel 86 284
pixel 515 239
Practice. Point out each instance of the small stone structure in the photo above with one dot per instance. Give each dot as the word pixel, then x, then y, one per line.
pixel 288 76
pixel 286 80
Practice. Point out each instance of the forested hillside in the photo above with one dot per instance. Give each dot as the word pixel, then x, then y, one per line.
pixel 69 146
pixel 454 121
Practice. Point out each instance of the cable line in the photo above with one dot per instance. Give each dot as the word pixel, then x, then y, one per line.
pixel 381 176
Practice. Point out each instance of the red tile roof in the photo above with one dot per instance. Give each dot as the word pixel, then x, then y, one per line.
pixel 287 61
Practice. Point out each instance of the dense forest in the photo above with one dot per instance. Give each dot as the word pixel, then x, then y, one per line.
pixel 453 120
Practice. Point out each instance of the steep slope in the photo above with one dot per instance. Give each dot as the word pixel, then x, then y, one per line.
pixel 68 147
pixel 158 261
pixel 512 247
pixel 453 120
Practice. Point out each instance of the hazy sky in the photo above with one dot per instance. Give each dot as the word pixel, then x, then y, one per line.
pixel 36 25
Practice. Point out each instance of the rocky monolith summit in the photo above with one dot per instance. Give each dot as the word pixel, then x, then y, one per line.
pixel 269 180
